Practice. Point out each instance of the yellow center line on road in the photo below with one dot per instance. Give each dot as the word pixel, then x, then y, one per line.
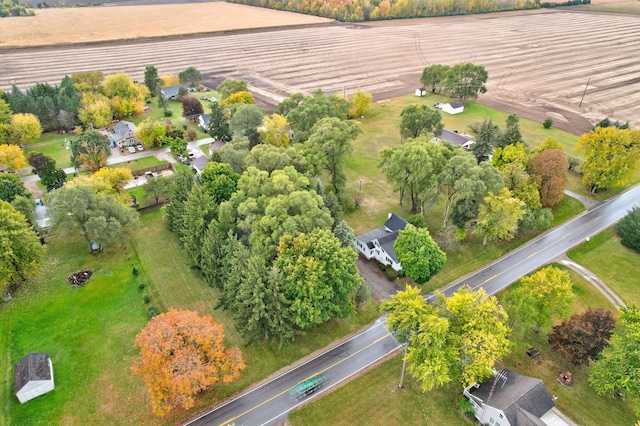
pixel 523 260
pixel 231 420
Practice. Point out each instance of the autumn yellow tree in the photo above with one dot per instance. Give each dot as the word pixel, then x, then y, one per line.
pixel 169 80
pixel 11 158
pixel 117 177
pixel 24 129
pixel 359 103
pixel 182 354
pixel 276 131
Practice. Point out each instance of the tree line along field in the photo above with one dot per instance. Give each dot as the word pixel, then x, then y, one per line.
pixel 538 62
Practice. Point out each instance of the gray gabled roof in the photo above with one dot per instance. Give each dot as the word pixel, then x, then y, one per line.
pixel 34 366
pixel 395 223
pixel 205 119
pixel 199 162
pixel 386 243
pixel 368 237
pixel 519 397
pixel 121 130
pixel 454 137
pixel 170 92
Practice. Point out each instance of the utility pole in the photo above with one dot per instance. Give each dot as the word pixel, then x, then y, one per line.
pixel 404 364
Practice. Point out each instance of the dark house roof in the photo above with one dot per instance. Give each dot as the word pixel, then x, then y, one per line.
pixel 456 104
pixel 121 130
pixel 386 243
pixel 523 399
pixel 170 92
pixel 395 223
pixel 205 119
pixel 368 237
pixel 217 145
pixel 199 162
pixel 34 366
pixel 455 137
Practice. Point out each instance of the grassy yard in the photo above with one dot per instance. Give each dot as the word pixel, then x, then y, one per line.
pixel 141 163
pixel 377 199
pixel 614 263
pixel 89 331
pixel 374 397
pixel 53 145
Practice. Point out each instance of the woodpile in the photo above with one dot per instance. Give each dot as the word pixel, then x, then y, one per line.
pixel 78 279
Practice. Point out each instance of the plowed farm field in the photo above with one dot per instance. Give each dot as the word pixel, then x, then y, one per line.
pixel 573 65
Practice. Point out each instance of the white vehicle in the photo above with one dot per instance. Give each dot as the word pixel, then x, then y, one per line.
pixel 132 149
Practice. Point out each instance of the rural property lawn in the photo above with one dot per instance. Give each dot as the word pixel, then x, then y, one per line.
pixel 89 331
pixel 374 398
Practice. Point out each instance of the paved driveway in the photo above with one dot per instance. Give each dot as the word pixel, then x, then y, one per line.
pixel 381 287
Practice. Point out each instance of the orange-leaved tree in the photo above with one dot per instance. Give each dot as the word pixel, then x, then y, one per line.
pixel 182 354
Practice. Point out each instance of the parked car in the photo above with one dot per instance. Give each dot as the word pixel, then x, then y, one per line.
pixel 192 155
pixel 212 99
pixel 140 147
pixel 438 105
pixel 148 175
pixel 192 89
pixel 132 149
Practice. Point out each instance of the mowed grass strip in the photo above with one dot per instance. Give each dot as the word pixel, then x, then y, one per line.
pixel 616 265
pixel 374 397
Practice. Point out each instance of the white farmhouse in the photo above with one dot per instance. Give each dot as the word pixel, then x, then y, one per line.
pixel 378 243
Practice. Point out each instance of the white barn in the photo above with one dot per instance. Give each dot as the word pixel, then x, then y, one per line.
pixel 33 376
pixel 453 107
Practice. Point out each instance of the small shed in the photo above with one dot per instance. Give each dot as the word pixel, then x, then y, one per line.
pixel 453 107
pixel 33 376
pixel 421 91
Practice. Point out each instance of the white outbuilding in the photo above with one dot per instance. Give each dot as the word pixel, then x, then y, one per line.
pixel 453 108
pixel 33 376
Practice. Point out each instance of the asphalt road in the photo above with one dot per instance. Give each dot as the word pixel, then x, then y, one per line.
pixel 269 403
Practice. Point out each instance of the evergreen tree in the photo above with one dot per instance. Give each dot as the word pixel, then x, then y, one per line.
pixel 262 311
pixel 199 209
pixel 178 193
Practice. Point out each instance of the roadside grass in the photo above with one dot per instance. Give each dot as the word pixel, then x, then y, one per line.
pixel 374 397
pixel 141 163
pixel 612 262
pixel 568 208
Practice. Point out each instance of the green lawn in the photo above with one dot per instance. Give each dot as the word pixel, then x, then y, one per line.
pixel 374 397
pixel 612 262
pixel 89 331
pixel 141 163
pixel 53 145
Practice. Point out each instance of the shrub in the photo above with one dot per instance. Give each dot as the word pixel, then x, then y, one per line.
pixel 417 220
pixel 575 163
pixel 629 230
pixel 168 113
pixel 548 123
pixel 392 274
pixel 363 294
pixel 153 311
pixel 382 266
pixel 192 135
pixel 134 271
pixel 401 273
pixel 145 299
pixel 467 408
pixel 141 286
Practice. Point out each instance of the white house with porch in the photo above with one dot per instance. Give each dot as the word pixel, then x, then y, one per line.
pixel 511 399
pixel 378 244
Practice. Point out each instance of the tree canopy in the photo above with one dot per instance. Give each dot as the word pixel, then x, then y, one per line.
pixel 90 150
pixel 455 339
pixel 231 86
pixel 11 157
pixel 618 368
pixel 11 186
pixel 550 170
pixel 499 215
pixel 420 256
pixel 22 253
pixel 466 81
pixel 434 76
pixel 420 120
pixel 612 157
pixel 181 355
pixel 629 229
pixel 319 277
pixel 190 76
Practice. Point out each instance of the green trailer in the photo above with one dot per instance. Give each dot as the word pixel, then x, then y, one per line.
pixel 308 386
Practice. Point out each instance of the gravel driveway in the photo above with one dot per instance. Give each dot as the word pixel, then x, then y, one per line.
pixel 381 287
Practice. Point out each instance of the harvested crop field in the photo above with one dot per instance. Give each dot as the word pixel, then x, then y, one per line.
pixel 108 23
pixel 539 62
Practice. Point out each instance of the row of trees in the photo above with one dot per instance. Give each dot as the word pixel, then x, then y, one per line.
pixel 463 81
pixel 371 10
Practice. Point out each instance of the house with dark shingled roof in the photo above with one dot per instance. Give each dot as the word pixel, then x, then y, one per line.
pixel 511 399
pixel 378 243
pixel 33 376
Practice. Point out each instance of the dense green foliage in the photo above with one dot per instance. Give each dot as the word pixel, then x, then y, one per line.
pixel 420 256
pixel 629 229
